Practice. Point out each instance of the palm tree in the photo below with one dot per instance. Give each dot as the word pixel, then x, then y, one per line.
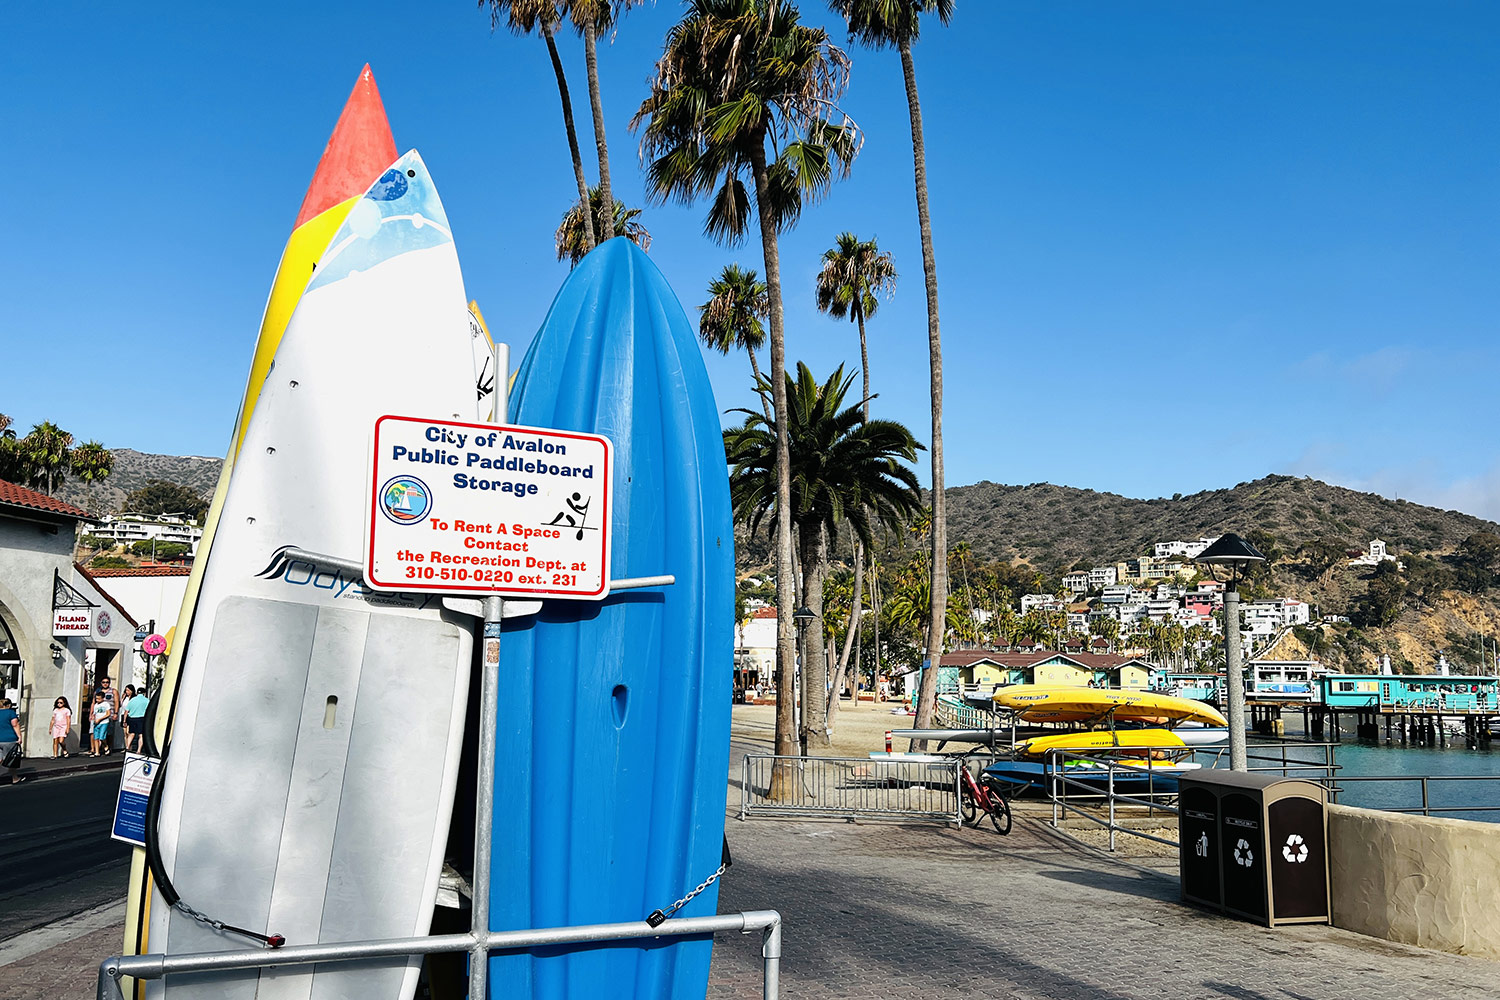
pixel 91 462
pixel 593 18
pixel 897 23
pixel 47 448
pixel 523 17
pixel 844 469
pixel 854 272
pixel 735 74
pixel 731 317
pixel 574 233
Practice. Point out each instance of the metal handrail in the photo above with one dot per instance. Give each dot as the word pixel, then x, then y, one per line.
pixel 1426 808
pixel 1059 781
pixel 768 922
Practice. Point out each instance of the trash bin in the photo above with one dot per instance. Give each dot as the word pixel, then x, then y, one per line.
pixel 1255 845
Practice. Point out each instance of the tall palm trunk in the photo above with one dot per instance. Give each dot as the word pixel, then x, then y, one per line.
pixel 855 606
pixel 755 370
pixel 783 779
pixel 606 194
pixel 927 697
pixel 567 108
pixel 850 638
pixel 814 545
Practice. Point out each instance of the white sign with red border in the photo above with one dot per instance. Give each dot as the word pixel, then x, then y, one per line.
pixel 73 621
pixel 491 509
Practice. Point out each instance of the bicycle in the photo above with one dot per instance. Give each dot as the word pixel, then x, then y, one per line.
pixel 987 796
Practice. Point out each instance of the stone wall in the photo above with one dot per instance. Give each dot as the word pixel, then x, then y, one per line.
pixel 1419 880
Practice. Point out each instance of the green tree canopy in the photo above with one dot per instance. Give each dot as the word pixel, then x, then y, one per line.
pixel 159 497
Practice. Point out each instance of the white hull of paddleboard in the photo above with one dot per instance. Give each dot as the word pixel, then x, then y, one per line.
pixel 317 729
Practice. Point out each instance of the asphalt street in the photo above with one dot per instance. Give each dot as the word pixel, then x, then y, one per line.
pixel 56 858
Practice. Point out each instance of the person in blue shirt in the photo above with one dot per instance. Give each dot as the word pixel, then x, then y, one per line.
pixel 10 735
pixel 136 704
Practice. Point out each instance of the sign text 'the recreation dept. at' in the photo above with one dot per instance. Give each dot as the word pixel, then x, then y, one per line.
pixel 488 509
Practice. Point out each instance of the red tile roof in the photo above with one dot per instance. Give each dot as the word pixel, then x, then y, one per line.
pixel 105 594
pixel 12 495
pixel 764 613
pixel 101 573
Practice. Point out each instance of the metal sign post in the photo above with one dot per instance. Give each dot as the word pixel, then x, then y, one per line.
pixel 489 717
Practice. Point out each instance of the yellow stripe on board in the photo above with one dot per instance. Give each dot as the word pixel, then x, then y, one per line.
pixel 303 248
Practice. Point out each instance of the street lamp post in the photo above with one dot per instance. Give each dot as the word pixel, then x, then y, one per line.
pixel 1238 556
pixel 800 618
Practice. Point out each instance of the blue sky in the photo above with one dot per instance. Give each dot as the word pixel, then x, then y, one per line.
pixel 1180 245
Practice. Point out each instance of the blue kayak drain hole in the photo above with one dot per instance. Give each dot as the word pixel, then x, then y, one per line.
pixel 618 701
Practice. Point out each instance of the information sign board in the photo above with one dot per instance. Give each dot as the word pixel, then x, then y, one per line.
pixel 136 778
pixel 490 509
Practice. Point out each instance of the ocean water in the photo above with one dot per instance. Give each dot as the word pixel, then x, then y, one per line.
pixel 1477 772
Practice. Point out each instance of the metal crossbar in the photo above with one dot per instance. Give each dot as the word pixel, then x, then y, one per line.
pixel 922 788
pixel 768 922
pixel 1108 798
pixel 1425 781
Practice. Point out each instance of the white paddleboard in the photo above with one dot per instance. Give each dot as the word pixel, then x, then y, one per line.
pixel 317 733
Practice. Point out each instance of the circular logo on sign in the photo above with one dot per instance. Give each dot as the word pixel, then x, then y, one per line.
pixel 154 645
pixel 405 500
pixel 104 623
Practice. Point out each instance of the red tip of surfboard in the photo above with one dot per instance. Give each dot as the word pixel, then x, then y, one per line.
pixel 359 149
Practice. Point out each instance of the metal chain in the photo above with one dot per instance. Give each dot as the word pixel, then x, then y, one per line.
pixel 658 917
pixel 198 915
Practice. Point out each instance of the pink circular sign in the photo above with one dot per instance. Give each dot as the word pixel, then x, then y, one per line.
pixel 154 645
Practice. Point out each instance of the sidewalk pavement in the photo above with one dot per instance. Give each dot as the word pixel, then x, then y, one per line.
pixel 918 912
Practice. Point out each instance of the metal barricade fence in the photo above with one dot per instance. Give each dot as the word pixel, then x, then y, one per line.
pixel 919 787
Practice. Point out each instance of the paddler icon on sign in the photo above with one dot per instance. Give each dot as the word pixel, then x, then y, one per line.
pixel 581 509
pixel 405 500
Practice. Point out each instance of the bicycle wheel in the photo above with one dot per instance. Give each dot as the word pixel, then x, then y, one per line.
pixel 969 807
pixel 1000 813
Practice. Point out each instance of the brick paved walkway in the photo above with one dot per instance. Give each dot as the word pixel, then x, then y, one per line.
pixel 885 911
pixel 888 911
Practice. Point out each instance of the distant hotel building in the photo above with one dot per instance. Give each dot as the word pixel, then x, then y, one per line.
pixel 126 529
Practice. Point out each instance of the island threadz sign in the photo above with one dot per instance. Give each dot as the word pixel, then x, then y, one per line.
pixel 488 509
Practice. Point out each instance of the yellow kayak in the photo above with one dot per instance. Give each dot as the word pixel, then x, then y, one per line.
pixel 1103 739
pixel 1059 703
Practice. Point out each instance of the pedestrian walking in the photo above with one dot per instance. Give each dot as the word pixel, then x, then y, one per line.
pixel 108 691
pixel 62 723
pixel 136 704
pixel 10 739
pixel 99 717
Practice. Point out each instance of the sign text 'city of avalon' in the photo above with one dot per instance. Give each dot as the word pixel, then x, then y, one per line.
pixel 488 509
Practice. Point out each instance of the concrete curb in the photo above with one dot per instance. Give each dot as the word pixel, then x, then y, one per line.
pixel 39 769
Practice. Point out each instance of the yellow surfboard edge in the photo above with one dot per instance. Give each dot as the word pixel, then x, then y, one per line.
pixel 303 249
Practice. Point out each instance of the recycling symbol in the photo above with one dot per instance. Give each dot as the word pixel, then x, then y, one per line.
pixel 1295 849
pixel 1243 856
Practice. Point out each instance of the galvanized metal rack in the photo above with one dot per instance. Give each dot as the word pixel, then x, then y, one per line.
pixel 480 941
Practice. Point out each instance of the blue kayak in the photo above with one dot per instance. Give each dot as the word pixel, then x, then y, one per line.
pixel 613 742
pixel 1025 775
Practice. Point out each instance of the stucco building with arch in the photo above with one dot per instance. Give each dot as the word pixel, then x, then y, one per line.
pixel 37 579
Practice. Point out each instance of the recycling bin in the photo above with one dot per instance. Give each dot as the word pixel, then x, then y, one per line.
pixel 1254 845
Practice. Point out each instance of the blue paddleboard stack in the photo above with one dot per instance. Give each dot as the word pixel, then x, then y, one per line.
pixel 613 742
